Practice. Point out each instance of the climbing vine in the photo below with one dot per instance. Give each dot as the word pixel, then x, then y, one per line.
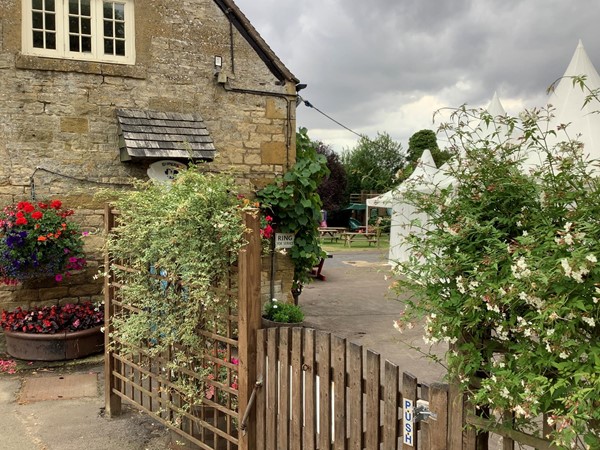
pixel 295 205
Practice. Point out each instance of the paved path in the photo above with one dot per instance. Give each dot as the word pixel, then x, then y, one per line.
pixel 355 303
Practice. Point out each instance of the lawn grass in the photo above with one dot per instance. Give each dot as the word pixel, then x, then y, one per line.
pixel 359 245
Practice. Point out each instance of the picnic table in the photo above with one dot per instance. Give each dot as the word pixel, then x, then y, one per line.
pixel 331 232
pixel 349 236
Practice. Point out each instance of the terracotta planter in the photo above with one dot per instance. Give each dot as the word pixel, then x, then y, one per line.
pixel 54 347
pixel 266 323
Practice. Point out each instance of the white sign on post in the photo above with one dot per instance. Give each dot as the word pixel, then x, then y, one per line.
pixel 284 240
pixel 409 423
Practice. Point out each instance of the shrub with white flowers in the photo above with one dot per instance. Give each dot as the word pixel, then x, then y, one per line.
pixel 507 270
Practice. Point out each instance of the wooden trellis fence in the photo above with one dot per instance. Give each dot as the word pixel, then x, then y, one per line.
pixel 283 388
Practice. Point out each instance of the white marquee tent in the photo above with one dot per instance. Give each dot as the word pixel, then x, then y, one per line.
pixel 568 101
pixel 424 178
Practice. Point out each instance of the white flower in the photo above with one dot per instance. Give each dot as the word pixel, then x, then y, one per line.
pixel 505 392
pixel 591 258
pixel 564 262
pixel 563 355
pixel 568 239
pixel 519 411
pixel 589 320
pixel 568 226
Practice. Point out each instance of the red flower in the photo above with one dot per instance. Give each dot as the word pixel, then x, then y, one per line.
pixel 25 206
pixel 37 215
pixel 28 207
pixel 43 205
pixel 269 219
pixel 55 204
pixel 21 221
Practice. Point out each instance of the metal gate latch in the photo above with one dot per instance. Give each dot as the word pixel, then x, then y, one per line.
pixel 422 411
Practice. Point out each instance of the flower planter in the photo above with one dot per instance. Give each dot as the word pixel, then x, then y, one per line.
pixel 266 323
pixel 54 347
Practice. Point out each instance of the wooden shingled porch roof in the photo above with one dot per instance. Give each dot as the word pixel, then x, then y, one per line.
pixel 163 135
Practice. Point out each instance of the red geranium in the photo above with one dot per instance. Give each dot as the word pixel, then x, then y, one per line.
pixel 37 215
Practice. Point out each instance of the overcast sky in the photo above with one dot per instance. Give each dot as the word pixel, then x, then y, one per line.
pixel 387 65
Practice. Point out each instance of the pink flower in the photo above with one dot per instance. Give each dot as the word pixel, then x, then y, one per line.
pixel 58 277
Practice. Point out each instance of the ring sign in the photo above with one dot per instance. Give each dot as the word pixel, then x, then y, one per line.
pixel 409 423
pixel 284 240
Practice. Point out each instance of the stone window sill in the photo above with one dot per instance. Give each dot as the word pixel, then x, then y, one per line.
pixel 68 65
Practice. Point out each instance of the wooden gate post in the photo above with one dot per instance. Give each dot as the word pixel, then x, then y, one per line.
pixel 249 310
pixel 112 402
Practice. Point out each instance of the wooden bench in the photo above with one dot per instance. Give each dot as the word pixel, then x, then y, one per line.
pixel 349 236
pixel 331 232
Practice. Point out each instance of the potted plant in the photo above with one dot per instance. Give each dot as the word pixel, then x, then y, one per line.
pixel 38 240
pixel 51 333
pixel 281 314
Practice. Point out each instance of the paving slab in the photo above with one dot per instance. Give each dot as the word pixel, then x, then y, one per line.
pixel 59 387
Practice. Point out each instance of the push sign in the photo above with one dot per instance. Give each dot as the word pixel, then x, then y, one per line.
pixel 409 422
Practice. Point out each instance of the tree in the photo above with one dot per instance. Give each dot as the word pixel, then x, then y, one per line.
pixel 373 163
pixel 425 139
pixel 332 188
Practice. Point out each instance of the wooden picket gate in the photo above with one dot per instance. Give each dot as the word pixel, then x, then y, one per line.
pixel 296 388
pixel 321 392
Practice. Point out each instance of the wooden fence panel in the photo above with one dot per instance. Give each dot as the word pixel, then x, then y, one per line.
pixel 338 354
pixel 324 374
pixel 310 390
pixel 297 391
pixel 373 404
pixel 409 394
pixel 340 395
pixel 355 397
pixel 283 420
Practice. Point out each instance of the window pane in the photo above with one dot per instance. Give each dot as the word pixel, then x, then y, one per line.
pixel 120 30
pixel 85 8
pixel 108 11
pixel 36 4
pixel 38 39
pixel 38 20
pixel 50 5
pixel 73 6
pixel 73 24
pixel 108 47
pixel 120 48
pixel 86 44
pixel 119 11
pixel 74 43
pixel 108 28
pixel 86 26
pixel 51 41
pixel 50 22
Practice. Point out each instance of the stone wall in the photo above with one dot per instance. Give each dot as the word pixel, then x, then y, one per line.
pixel 58 127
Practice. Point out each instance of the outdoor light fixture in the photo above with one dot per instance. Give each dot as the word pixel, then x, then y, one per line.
pixel 218 63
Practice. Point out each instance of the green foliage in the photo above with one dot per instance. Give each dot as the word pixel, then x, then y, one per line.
pixel 332 189
pixel 294 203
pixel 372 165
pixel 425 139
pixel 180 239
pixel 283 312
pixel 506 270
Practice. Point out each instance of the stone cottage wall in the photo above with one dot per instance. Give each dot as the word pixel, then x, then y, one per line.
pixel 58 127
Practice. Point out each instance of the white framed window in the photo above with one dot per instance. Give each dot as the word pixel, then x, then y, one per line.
pixel 89 30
